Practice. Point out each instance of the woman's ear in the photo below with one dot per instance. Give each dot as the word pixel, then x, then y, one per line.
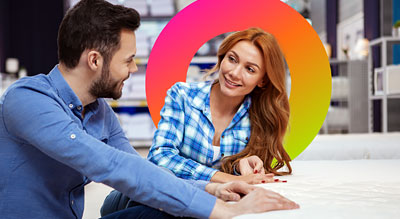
pixel 94 60
pixel 262 83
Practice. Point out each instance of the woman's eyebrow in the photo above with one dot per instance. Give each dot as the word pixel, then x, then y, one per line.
pixel 251 63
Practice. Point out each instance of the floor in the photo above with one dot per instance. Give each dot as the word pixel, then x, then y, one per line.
pixel 95 194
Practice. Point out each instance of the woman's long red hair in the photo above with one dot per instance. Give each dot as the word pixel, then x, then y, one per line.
pixel 269 110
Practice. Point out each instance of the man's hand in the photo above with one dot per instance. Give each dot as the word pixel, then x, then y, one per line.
pixel 250 165
pixel 257 200
pixel 262 200
pixel 231 191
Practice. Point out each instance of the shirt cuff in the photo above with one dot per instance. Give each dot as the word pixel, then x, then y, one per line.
pixel 202 204
pixel 201 184
pixel 204 173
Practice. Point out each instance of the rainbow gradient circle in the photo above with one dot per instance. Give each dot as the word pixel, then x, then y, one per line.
pixel 202 20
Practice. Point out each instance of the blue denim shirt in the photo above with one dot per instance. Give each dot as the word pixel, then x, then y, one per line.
pixel 48 153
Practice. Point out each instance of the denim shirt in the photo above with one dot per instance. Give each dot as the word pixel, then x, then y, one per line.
pixel 49 152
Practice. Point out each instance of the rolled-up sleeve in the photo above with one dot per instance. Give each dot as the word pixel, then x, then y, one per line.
pixel 169 136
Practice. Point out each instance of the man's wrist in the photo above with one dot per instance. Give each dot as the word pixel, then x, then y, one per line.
pixel 223 210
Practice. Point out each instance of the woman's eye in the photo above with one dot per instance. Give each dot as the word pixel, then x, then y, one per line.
pixel 250 69
pixel 232 59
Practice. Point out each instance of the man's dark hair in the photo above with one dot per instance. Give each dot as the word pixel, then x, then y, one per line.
pixel 93 24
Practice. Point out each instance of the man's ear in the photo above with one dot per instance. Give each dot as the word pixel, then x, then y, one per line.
pixel 94 60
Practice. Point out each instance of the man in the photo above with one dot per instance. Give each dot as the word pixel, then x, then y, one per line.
pixel 57 133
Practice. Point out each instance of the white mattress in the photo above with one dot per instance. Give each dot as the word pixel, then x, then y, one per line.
pixel 353 147
pixel 340 189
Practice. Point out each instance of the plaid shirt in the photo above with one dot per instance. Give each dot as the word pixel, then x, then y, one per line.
pixel 183 140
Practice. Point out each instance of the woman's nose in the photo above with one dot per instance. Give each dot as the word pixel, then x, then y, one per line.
pixel 235 72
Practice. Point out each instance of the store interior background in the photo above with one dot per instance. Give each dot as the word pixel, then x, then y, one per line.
pixel 361 37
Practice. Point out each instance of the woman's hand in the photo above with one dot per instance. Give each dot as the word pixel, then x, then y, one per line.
pixel 250 165
pixel 257 178
pixel 220 177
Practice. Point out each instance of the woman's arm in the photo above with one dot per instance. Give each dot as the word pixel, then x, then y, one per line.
pixel 222 177
pixel 250 170
pixel 170 135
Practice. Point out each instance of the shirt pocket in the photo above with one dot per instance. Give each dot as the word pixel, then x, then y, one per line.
pixel 241 138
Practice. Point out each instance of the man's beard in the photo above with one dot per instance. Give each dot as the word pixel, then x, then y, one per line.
pixel 105 87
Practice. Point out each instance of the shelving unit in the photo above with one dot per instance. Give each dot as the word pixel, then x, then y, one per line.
pixel 349 101
pixel 204 60
pixel 385 44
pixel 339 101
pixel 139 143
pixel 127 103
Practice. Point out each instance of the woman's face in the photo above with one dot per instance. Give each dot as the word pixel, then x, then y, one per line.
pixel 241 70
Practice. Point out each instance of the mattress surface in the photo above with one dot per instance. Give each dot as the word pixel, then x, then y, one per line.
pixel 339 189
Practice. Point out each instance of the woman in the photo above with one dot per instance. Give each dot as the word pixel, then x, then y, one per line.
pixel 236 123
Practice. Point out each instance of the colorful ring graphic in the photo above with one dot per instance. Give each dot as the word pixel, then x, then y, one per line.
pixel 205 19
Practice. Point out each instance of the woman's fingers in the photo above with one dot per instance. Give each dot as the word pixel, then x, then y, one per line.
pixel 244 167
pixel 258 168
pixel 258 178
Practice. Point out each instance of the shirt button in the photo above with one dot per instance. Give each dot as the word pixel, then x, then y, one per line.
pixel 73 136
pixel 72 202
pixel 79 107
pixel 71 105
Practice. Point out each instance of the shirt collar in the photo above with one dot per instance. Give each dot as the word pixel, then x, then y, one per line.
pixel 201 101
pixel 63 89
pixel 242 110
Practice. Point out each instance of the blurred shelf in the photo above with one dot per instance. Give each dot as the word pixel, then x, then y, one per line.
pixel 339 99
pixel 140 143
pixel 349 93
pixel 337 61
pixel 380 97
pixel 127 103
pixel 141 60
pixel 204 59
pixel 384 40
pixel 155 18
pixel 195 60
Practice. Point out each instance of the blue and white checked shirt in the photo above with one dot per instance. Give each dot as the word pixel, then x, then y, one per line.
pixel 183 140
